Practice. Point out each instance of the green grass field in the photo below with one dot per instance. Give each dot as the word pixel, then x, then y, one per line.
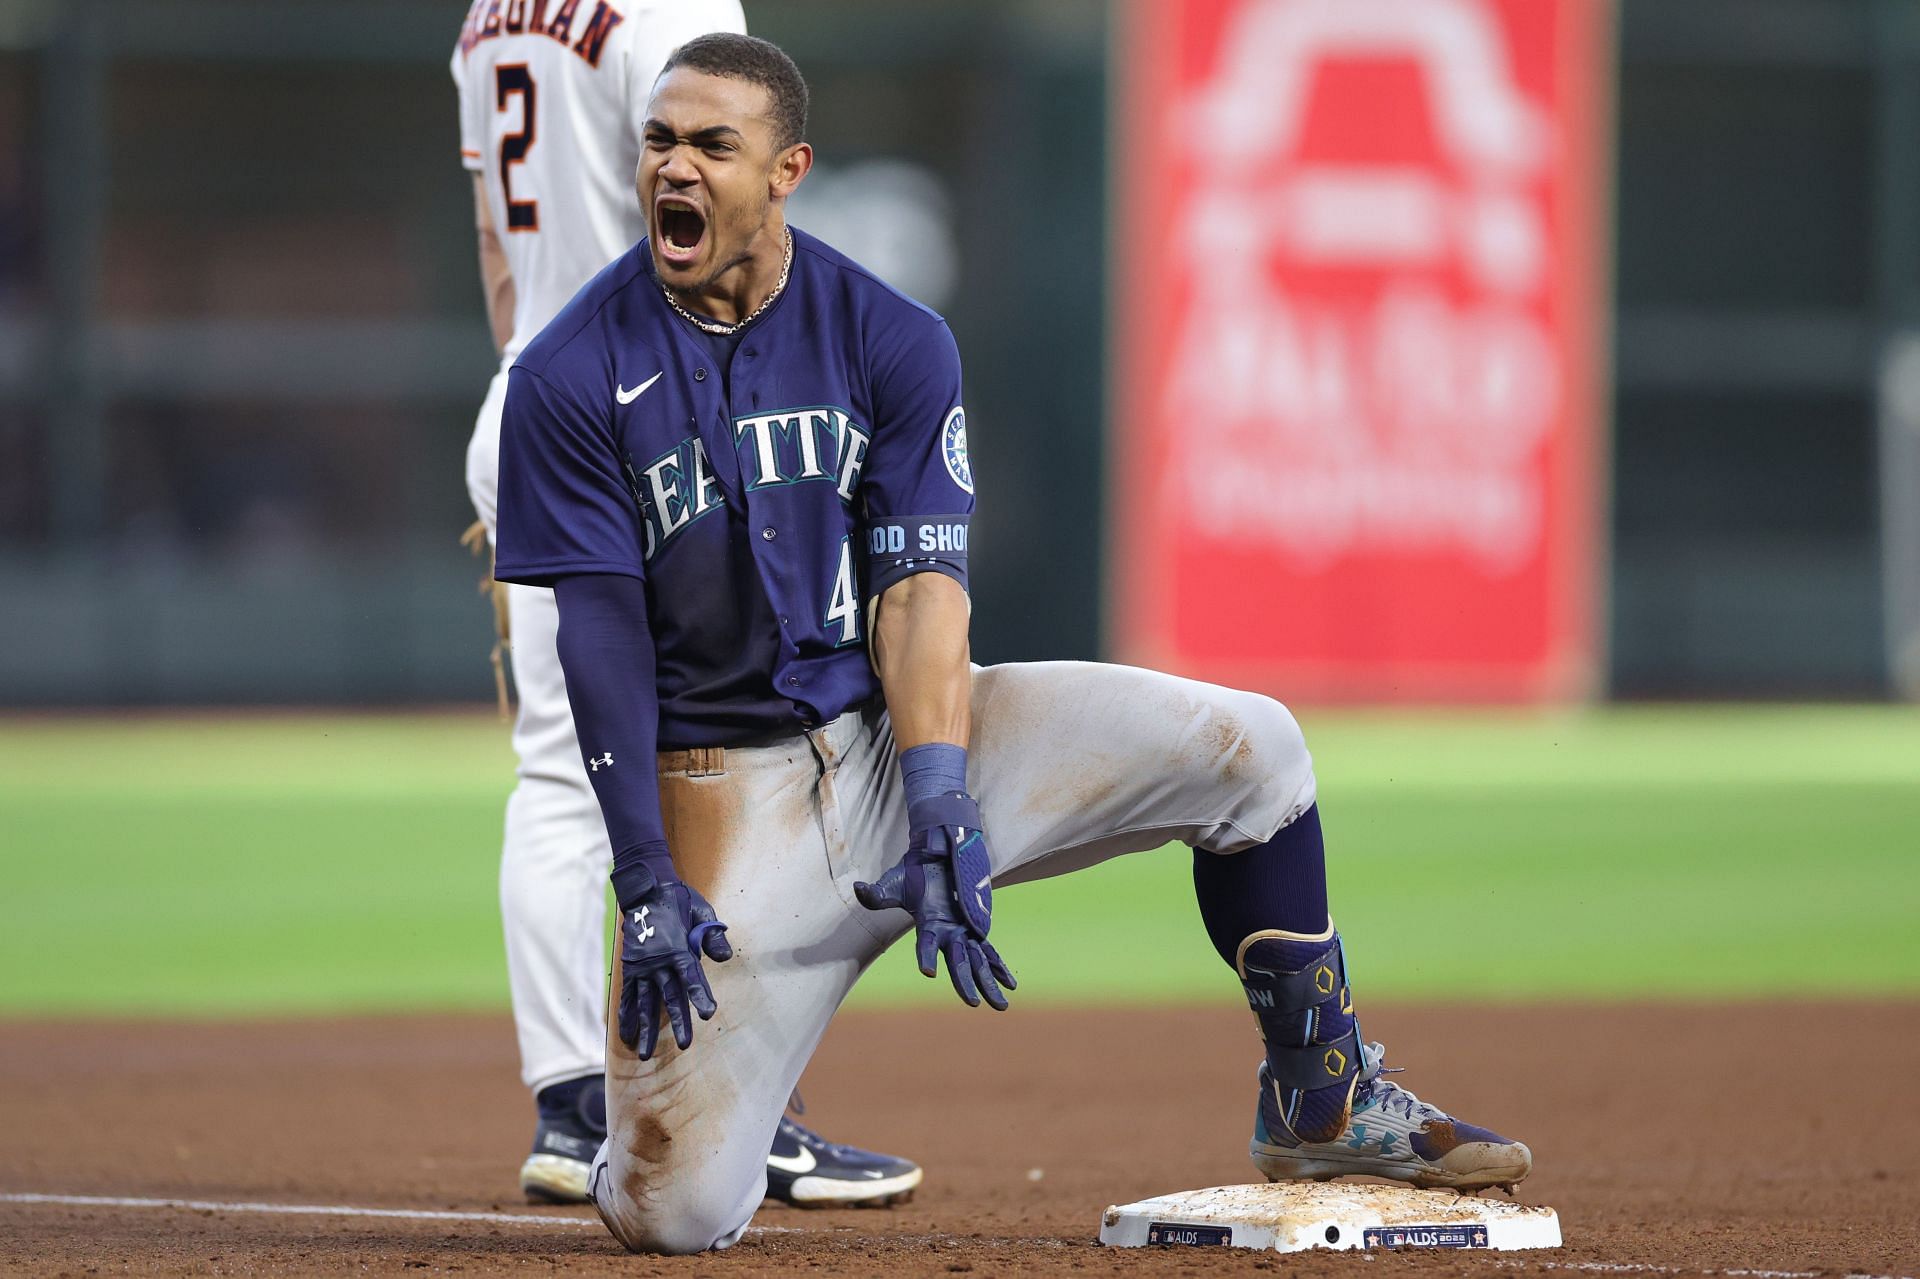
pixel 296 864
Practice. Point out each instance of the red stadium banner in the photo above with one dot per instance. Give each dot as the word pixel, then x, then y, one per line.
pixel 1356 374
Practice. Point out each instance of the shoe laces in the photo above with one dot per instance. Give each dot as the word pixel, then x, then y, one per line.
pixel 1386 1095
pixel 804 1135
pixel 809 1138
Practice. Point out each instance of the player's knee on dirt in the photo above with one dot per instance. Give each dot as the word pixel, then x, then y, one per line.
pixel 673 1225
pixel 685 1211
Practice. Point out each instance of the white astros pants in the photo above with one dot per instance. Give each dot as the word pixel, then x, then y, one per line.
pixel 1073 763
pixel 554 858
pixel 554 863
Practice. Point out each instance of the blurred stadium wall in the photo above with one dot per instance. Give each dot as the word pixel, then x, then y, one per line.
pixel 241 337
pixel 1361 368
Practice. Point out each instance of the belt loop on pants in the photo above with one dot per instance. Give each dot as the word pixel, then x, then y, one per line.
pixel 707 761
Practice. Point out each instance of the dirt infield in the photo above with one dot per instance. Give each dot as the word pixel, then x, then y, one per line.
pixel 1686 1139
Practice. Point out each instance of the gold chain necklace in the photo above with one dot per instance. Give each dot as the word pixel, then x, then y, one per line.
pixel 714 326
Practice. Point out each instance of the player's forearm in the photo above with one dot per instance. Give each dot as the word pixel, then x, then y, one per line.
pixel 496 278
pixel 606 653
pixel 497 281
pixel 921 650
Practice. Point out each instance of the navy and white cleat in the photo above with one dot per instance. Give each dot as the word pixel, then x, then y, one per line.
pixel 1388 1133
pixel 573 1123
pixel 808 1171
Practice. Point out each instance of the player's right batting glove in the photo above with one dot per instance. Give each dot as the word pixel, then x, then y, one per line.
pixel 665 927
pixel 946 883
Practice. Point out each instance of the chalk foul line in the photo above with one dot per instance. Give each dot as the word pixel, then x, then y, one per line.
pixel 330 1210
pixel 301 1210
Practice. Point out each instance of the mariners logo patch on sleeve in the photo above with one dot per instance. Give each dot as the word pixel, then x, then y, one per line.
pixel 953 447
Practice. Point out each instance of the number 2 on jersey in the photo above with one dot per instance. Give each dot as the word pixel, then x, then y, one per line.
pixel 508 79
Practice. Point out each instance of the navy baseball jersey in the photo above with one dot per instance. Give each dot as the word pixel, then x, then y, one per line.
pixel 762 486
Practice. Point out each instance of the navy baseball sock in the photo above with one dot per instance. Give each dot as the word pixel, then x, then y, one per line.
pixel 578 1102
pixel 1265 910
pixel 1279 884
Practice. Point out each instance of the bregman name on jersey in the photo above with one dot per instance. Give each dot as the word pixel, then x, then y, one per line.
pixel 489 19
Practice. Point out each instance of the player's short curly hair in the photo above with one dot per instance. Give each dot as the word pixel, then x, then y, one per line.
pixel 756 61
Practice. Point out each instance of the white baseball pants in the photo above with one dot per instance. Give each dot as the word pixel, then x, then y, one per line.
pixel 1073 763
pixel 554 857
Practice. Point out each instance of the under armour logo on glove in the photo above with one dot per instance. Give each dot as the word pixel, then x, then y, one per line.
pixel 606 759
pixel 666 928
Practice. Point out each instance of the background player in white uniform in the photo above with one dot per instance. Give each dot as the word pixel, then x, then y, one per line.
pixel 552 96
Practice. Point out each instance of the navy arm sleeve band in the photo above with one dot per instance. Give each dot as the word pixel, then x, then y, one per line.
pixel 898 546
pixel 606 652
pixel 931 770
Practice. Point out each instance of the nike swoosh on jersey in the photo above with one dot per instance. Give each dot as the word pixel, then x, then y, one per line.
pixel 625 396
pixel 798 1165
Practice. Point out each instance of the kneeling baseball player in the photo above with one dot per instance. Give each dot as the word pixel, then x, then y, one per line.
pixel 740 461
pixel 550 214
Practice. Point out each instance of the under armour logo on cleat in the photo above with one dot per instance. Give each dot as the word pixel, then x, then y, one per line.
pixel 1359 1142
pixel 606 759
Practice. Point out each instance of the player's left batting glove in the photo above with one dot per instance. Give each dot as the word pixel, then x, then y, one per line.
pixel 665 927
pixel 946 883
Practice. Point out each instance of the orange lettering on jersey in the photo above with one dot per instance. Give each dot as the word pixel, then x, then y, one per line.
pixel 490 19
pixel 594 39
pixel 561 28
pixel 470 27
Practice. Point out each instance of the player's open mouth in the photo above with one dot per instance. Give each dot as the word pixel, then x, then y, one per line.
pixel 682 229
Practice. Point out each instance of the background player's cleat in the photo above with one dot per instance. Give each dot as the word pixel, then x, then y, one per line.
pixel 808 1171
pixel 573 1123
pixel 550 1178
pixel 1389 1133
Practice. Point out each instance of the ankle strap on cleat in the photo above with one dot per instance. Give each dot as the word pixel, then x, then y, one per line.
pixel 1324 977
pixel 1305 1012
pixel 1312 1066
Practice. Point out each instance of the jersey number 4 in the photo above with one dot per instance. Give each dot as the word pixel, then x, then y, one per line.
pixel 510 79
pixel 843 609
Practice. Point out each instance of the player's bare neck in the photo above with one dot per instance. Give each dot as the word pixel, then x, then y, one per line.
pixel 744 286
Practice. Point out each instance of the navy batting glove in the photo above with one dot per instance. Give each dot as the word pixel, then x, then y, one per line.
pixel 665 927
pixel 946 883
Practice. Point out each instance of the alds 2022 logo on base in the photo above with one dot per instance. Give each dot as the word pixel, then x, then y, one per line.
pixel 953 447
